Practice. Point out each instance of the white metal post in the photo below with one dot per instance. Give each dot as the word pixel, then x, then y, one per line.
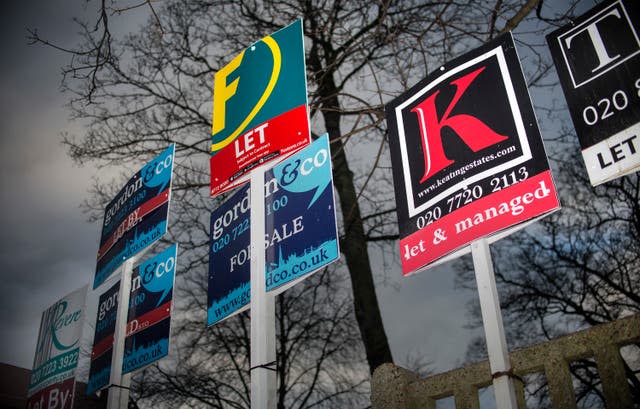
pixel 493 328
pixel 119 390
pixel 263 331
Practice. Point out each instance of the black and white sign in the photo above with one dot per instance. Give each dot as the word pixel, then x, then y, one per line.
pixel 598 61
pixel 467 155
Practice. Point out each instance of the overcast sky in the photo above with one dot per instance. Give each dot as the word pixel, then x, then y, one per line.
pixel 48 249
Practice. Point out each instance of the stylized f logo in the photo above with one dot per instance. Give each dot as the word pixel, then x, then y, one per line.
pixel 474 133
pixel 222 92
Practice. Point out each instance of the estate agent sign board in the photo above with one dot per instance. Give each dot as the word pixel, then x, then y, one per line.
pixel 148 320
pixel 149 315
pixel 467 155
pixel 597 58
pixel 102 350
pixel 259 108
pixel 300 231
pixel 52 382
pixel 137 216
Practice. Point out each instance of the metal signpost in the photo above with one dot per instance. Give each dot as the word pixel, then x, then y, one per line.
pixel 52 382
pixel 118 384
pixel 597 58
pixel 263 310
pixel 467 173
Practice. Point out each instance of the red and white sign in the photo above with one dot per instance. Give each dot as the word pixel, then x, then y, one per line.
pixel 56 396
pixel 276 138
pixel 467 156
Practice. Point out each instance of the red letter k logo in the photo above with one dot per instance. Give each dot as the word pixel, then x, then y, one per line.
pixel 475 133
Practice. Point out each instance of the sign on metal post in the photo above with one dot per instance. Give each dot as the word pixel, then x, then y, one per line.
pixel 102 351
pixel 300 231
pixel 597 58
pixel 259 114
pixel 147 325
pixel 464 168
pixel 137 216
pixel 52 382
pixel 149 316
pixel 259 108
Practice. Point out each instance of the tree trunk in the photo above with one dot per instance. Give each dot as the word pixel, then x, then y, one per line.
pixel 354 243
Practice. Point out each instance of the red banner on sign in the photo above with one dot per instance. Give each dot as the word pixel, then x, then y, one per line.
pixel 102 346
pixel 56 396
pixel 502 209
pixel 149 319
pixel 281 135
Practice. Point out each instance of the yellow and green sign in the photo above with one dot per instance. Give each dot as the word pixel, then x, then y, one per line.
pixel 259 107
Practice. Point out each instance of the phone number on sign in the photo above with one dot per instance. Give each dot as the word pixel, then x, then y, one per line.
pixel 468 195
pixel 56 365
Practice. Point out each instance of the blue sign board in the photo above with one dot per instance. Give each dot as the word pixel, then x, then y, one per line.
pixel 300 224
pixel 101 354
pixel 137 216
pixel 149 316
pixel 301 232
pixel 229 246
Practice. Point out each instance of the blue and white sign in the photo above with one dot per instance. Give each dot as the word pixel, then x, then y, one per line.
pixel 302 235
pixel 137 216
pixel 102 351
pixel 229 274
pixel 149 316
pixel 300 224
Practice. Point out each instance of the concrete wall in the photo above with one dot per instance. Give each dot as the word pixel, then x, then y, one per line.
pixel 396 388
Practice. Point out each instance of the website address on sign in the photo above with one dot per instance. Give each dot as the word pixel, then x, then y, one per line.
pixel 463 170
